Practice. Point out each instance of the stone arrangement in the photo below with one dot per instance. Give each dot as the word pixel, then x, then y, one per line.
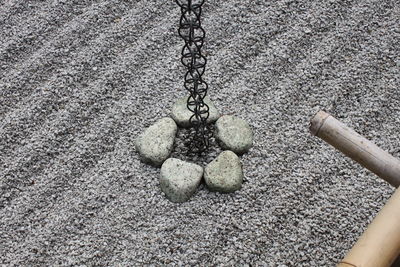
pixel 179 179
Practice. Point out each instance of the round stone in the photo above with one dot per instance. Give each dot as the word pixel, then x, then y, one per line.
pixel 155 144
pixel 224 174
pixel 181 114
pixel 234 134
pixel 179 179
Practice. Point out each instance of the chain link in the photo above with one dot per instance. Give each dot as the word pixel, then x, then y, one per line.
pixel 193 34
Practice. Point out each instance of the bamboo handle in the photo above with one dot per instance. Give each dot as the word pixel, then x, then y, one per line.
pixel 356 147
pixel 379 246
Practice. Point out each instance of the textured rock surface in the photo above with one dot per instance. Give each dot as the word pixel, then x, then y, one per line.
pixel 181 114
pixel 179 179
pixel 155 144
pixel 234 134
pixel 224 174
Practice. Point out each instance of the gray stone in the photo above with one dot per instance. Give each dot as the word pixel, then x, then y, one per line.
pixel 179 179
pixel 224 174
pixel 156 142
pixel 234 134
pixel 181 114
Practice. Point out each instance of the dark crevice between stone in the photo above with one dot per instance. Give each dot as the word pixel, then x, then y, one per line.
pixel 181 149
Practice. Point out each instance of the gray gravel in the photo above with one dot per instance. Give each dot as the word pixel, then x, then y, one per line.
pixel 81 79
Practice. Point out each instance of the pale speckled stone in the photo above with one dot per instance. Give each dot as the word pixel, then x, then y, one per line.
pixel 234 134
pixel 156 142
pixel 181 114
pixel 179 179
pixel 224 174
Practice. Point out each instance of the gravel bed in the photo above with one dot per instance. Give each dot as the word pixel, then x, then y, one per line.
pixel 79 80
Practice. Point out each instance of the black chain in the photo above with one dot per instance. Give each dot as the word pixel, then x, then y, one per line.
pixel 193 34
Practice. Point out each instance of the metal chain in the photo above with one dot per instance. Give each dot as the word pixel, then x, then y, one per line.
pixel 193 34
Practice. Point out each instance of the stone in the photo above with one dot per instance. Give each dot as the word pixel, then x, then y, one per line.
pixel 179 179
pixel 224 174
pixel 155 144
pixel 234 134
pixel 181 114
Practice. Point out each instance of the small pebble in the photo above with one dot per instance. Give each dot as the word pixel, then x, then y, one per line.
pixel 179 179
pixel 224 174
pixel 234 134
pixel 181 114
pixel 156 142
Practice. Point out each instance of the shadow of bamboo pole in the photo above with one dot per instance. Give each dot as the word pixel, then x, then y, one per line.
pixel 379 246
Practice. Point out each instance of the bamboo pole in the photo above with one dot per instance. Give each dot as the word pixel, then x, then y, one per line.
pixel 356 147
pixel 379 246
